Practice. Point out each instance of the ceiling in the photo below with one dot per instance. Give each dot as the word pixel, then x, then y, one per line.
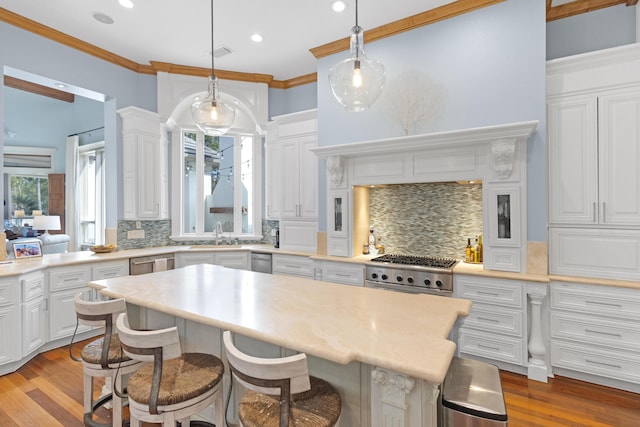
pixel 179 33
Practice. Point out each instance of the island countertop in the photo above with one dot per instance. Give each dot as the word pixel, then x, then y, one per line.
pixel 403 332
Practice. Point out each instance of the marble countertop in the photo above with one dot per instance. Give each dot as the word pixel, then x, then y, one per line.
pixel 402 332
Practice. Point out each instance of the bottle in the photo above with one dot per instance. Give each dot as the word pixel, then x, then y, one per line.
pixel 480 247
pixel 365 249
pixel 277 245
pixel 476 252
pixel 468 249
pixel 372 241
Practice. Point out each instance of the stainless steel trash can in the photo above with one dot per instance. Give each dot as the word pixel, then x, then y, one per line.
pixel 472 395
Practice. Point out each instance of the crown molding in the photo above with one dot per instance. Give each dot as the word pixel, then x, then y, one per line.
pixel 581 6
pixel 441 13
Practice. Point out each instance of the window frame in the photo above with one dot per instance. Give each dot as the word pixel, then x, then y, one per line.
pixel 177 175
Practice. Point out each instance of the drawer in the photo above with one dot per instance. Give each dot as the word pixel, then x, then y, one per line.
pixel 621 303
pixel 293 265
pixel 495 319
pixel 595 330
pixel 69 277
pixel 9 291
pixel 497 347
pixel 489 290
pixel 237 260
pixel 595 360
pixel 106 270
pixel 32 286
pixel 338 272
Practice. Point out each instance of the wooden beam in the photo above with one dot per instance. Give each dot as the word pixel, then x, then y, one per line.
pixel 425 18
pixel 38 89
pixel 582 6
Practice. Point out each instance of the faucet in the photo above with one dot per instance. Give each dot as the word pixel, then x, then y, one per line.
pixel 218 232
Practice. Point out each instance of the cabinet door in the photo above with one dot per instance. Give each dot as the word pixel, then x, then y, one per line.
pixel 273 184
pixel 62 313
pixel 33 325
pixel 148 176
pixel 193 258
pixel 290 178
pixel 237 260
pixel 573 167
pixel 308 198
pixel 620 157
pixel 10 332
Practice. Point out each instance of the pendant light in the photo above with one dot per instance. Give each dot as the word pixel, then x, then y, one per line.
pixel 357 81
pixel 211 114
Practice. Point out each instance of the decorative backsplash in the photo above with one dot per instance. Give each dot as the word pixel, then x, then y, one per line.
pixel 433 219
pixel 157 233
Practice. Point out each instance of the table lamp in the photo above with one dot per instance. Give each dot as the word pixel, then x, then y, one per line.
pixel 46 223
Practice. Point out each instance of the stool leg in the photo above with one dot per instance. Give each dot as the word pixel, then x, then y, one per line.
pixel 218 407
pixel 117 402
pixel 88 393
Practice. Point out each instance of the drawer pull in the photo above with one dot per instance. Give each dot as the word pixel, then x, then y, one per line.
pixel 342 275
pixel 292 266
pixel 608 365
pixel 487 319
pixel 487 347
pixel 610 334
pixel 608 304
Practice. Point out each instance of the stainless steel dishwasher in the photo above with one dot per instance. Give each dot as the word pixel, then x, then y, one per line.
pixel 149 264
pixel 261 262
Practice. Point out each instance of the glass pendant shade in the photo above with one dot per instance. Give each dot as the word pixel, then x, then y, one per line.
pixel 212 115
pixel 357 81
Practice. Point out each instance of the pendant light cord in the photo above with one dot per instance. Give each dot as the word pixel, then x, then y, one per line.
pixel 356 13
pixel 213 74
pixel 357 43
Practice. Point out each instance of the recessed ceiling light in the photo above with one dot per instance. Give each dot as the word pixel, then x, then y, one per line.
pixel 60 85
pixel 101 17
pixel 338 6
pixel 256 37
pixel 126 3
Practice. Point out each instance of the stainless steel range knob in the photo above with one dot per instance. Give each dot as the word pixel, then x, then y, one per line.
pixel 399 278
pixel 385 277
pixel 374 275
pixel 410 279
pixel 427 282
pixel 438 283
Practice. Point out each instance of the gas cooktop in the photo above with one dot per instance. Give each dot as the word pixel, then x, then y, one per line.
pixel 421 261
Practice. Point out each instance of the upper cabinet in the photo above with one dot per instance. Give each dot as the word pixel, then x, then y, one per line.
pixel 292 168
pixel 144 165
pixel 593 158
pixel 593 112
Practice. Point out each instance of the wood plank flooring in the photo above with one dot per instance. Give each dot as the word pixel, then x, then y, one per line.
pixel 47 391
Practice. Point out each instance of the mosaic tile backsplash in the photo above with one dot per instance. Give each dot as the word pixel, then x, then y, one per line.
pixel 157 233
pixel 433 219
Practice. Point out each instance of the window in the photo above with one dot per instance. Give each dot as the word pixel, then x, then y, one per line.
pixel 90 194
pixel 218 185
pixel 27 194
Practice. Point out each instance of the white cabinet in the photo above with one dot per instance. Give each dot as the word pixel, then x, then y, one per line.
pixel 273 174
pixel 343 272
pixel 299 178
pixel 293 265
pixel 34 311
pixel 496 326
pixel 9 319
pixel 594 157
pixel 144 165
pixel 595 330
pixel 231 259
pixel 64 283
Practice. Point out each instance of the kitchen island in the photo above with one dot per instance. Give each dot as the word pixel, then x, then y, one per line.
pixel 386 352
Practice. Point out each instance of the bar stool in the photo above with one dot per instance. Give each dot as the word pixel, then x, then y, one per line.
pixel 176 385
pixel 102 357
pixel 280 391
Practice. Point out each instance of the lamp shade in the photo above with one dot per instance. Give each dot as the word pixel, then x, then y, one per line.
pixel 46 222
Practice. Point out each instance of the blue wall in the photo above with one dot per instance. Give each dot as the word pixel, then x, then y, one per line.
pixel 587 32
pixel 491 63
pixel 120 88
pixel 298 98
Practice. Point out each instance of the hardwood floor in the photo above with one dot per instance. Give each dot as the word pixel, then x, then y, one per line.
pixel 47 391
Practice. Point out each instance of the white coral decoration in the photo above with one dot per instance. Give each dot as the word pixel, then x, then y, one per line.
pixel 412 99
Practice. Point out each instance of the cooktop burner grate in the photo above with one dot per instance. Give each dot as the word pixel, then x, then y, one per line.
pixel 422 261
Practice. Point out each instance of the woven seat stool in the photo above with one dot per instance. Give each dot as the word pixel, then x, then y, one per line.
pixel 175 386
pixel 102 357
pixel 281 393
